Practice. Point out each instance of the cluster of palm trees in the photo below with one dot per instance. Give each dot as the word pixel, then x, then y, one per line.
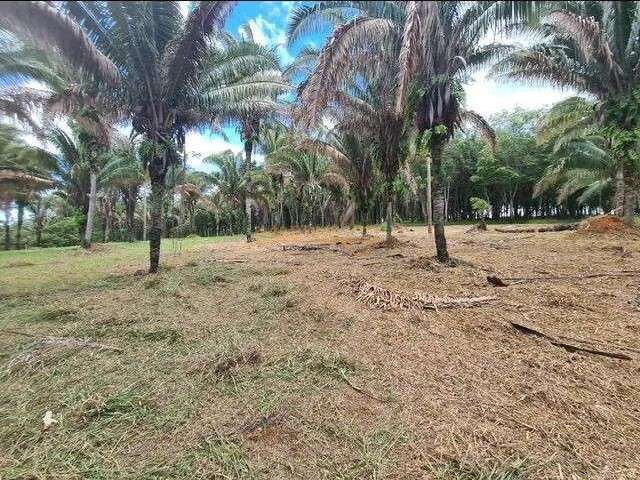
pixel 384 93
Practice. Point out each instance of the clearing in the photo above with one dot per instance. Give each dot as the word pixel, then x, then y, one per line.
pixel 319 355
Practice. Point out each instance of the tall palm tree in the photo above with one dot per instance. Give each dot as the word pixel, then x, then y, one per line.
pixel 441 48
pixel 123 171
pixel 245 60
pixel 592 48
pixel 423 49
pixel 354 78
pixel 150 62
pixel 23 172
pixel 355 159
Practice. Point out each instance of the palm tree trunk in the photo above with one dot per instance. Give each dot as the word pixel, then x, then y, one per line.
pixel 130 212
pixel 38 222
pixel 439 202
pixel 281 214
pixel 365 220
pixel 619 199
pixel 248 150
pixel 144 217
pixel 429 209
pixel 155 231
pixel 248 219
pixel 7 228
pixel 19 225
pixel 93 179
pixel 389 237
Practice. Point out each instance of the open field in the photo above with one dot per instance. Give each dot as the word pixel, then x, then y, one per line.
pixel 262 361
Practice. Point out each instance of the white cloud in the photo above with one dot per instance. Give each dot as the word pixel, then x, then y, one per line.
pixel 268 34
pixel 198 146
pixel 487 96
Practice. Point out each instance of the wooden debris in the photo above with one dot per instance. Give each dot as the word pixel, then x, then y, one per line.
pixel 551 228
pixel 570 348
pixel 378 297
pixel 314 247
pixel 505 282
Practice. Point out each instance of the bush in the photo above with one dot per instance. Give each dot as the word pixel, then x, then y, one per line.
pixel 62 232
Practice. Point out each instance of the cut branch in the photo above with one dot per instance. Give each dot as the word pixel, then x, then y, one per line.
pixel 551 228
pixel 506 281
pixel 568 347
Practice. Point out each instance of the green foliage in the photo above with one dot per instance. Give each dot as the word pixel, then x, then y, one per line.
pixel 62 232
pixel 479 205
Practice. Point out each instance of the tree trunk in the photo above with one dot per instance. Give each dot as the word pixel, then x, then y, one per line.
pixel 428 201
pixel 155 230
pixel 629 197
pixel 629 206
pixel 130 196
pixel 144 218
pixel 7 227
pixel 93 179
pixel 439 202
pixel 389 237
pixel 365 220
pixel 248 219
pixel 19 225
pixel 619 198
pixel 248 150
pixel 39 221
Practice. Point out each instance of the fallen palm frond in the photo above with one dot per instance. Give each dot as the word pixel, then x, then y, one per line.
pixel 568 347
pixel 505 282
pixel 46 343
pixel 552 228
pixel 313 247
pixel 377 297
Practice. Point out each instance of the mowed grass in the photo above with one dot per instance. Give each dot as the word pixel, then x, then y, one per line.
pixel 35 271
pixel 206 370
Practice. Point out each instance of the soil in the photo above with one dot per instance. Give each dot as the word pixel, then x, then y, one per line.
pixel 467 384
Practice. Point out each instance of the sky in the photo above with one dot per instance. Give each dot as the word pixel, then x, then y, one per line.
pixel 268 21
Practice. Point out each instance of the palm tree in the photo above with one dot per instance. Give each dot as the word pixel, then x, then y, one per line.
pixel 355 79
pixel 310 175
pixel 123 171
pixel 23 171
pixel 355 159
pixel 245 60
pixel 151 64
pixel 582 162
pixel 423 50
pixel 441 47
pixel 65 93
pixel 233 185
pixel 592 48
pixel 71 171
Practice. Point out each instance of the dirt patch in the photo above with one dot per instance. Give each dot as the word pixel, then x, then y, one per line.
pixel 606 224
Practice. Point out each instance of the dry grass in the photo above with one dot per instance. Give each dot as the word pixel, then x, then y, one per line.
pixel 250 361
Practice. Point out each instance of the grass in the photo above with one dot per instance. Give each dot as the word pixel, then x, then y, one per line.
pixel 28 272
pixel 224 366
pixel 161 406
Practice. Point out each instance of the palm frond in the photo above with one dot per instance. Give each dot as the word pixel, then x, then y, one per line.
pixel 49 28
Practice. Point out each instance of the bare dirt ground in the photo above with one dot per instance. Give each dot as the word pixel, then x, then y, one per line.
pixel 286 358
pixel 467 386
